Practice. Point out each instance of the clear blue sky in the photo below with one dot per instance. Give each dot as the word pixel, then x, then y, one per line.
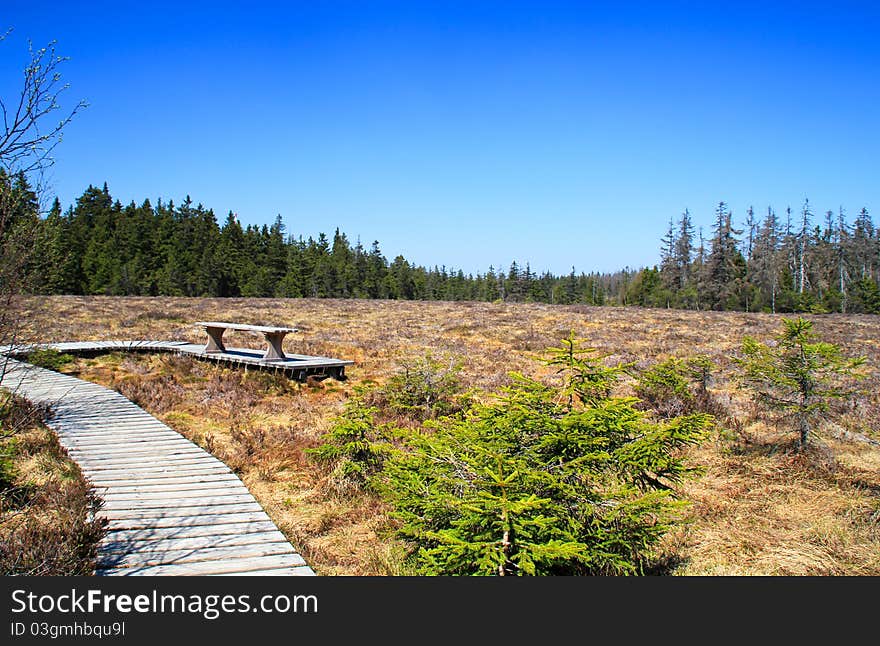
pixel 469 133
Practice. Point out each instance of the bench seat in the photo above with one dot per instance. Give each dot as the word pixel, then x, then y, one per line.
pixel 274 336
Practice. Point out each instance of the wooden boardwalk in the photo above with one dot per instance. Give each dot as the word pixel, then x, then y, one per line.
pixel 296 366
pixel 172 508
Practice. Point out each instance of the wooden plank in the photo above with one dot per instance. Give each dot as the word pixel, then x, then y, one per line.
pixel 244 327
pixel 165 483
pixel 113 427
pixel 163 512
pixel 100 422
pixel 160 470
pixel 93 474
pixel 173 555
pixel 170 499
pixel 162 447
pixel 198 542
pixel 112 442
pixel 109 423
pixel 164 499
pixel 118 436
pixel 151 444
pixel 124 463
pixel 113 503
pixel 157 475
pixel 179 500
pixel 226 566
pixel 186 521
pixel 144 460
pixel 283 571
pixel 145 450
pixel 154 471
pixel 195 531
pixel 216 489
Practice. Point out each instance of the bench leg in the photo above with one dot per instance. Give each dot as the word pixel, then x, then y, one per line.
pixel 215 339
pixel 274 351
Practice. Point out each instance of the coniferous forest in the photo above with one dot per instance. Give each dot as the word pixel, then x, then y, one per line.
pixel 793 261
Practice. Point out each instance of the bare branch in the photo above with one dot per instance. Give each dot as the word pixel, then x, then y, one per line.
pixel 26 144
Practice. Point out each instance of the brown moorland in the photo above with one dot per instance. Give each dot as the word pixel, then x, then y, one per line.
pixel 759 508
pixel 47 509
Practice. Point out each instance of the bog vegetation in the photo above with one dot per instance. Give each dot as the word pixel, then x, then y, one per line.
pixel 563 478
pixel 421 461
pixel 47 510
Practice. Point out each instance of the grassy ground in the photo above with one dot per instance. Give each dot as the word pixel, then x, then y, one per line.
pixel 759 508
pixel 47 524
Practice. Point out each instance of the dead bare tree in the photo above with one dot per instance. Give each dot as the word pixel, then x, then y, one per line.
pixel 30 134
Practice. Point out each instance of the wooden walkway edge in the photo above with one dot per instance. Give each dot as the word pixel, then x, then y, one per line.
pixel 172 508
pixel 295 366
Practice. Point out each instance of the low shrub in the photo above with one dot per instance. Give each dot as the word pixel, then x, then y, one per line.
pixel 677 387
pixel 425 388
pixel 356 447
pixel 49 358
pixel 47 512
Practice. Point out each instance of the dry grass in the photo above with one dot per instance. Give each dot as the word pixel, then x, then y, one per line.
pixel 47 523
pixel 760 508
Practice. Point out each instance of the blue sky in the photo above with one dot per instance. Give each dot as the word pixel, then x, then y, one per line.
pixel 468 133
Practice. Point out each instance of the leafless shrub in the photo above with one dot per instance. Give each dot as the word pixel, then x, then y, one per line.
pixel 46 527
pixel 158 394
pixel 266 450
pixel 57 535
pixel 18 414
pixel 162 315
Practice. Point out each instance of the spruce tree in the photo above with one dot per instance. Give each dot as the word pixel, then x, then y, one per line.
pixel 540 481
pixel 797 375
pixel 669 270
pixel 725 265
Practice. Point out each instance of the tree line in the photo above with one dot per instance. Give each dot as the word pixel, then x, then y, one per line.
pixel 100 246
pixel 774 264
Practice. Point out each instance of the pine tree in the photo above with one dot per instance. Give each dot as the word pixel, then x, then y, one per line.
pixel 491 291
pixel 725 265
pixel 100 262
pixel 841 244
pixel 864 245
pixel 355 446
pixel 541 481
pixel 377 268
pixel 50 253
pixel 684 248
pixel 806 214
pixel 764 266
pixel 669 269
pixel 797 375
pixel 293 284
pixel 751 231
pixel 228 258
pixel 513 284
pixel 700 270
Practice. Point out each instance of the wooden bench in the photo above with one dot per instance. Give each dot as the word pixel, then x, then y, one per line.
pixel 274 336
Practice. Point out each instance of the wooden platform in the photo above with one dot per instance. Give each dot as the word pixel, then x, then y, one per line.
pixel 295 366
pixel 172 508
